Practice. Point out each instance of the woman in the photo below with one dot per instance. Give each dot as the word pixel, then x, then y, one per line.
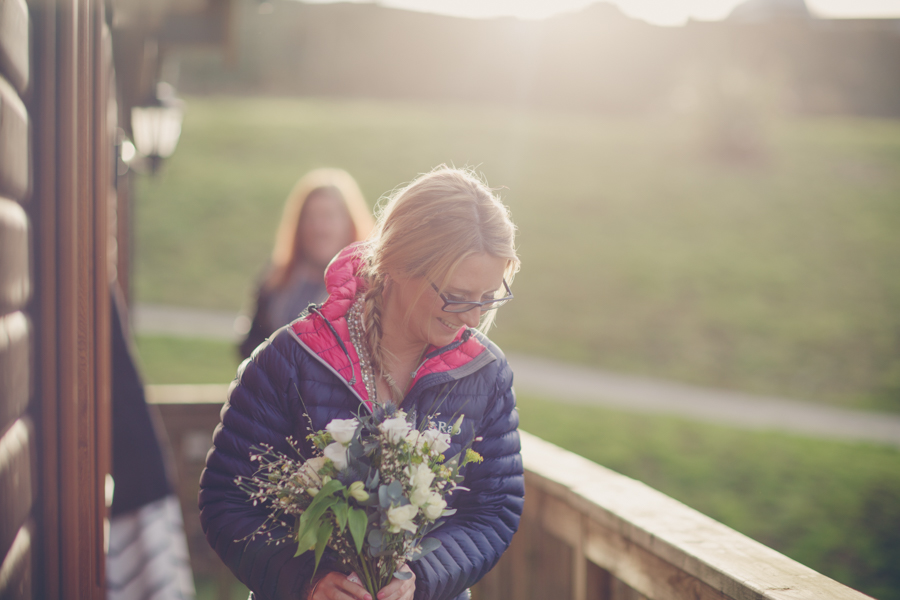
pixel 398 327
pixel 323 213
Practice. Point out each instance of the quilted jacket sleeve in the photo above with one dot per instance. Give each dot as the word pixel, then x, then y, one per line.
pixel 473 539
pixel 259 411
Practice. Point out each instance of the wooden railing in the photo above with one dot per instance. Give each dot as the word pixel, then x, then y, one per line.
pixel 587 533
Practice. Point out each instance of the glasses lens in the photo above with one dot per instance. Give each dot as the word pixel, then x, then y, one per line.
pixel 495 304
pixel 461 307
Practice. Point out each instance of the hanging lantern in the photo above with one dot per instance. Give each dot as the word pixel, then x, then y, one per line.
pixel 156 125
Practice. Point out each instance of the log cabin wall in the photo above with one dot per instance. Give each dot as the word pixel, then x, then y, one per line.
pixel 18 427
pixel 57 126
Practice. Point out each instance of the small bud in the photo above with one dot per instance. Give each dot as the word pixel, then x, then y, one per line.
pixel 358 491
pixel 457 425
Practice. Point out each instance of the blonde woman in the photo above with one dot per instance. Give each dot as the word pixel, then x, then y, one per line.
pixel 404 324
pixel 324 212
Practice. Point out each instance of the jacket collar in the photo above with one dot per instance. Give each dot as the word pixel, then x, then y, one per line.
pixel 324 331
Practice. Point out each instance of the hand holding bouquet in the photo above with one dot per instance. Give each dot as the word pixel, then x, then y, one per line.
pixel 375 488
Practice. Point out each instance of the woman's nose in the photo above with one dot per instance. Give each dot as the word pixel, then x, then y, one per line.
pixel 471 317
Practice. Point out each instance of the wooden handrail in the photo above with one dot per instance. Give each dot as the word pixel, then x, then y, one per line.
pixel 586 533
pixel 610 537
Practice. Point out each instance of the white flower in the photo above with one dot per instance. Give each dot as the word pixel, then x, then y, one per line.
pixel 338 455
pixel 309 471
pixel 434 507
pixel 415 439
pixel 419 496
pixel 342 430
pixel 401 517
pixel 421 476
pixel 437 441
pixel 395 429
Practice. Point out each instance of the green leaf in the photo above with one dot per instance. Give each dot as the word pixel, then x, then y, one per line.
pixel 358 524
pixel 330 488
pixel 323 536
pixel 310 521
pixel 340 510
pixel 305 541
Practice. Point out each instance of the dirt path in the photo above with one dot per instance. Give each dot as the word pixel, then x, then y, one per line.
pixel 580 385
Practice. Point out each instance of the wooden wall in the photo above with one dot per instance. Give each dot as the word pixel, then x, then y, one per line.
pixel 18 431
pixel 57 125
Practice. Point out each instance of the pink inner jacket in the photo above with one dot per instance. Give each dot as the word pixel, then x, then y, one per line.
pixel 344 284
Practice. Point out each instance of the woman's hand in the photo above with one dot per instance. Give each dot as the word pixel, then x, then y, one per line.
pixel 337 586
pixel 399 589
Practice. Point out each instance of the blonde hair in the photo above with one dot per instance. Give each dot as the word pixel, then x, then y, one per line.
pixel 426 229
pixel 288 249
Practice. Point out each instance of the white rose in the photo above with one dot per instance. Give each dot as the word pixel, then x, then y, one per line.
pixel 419 496
pixel 434 507
pixel 342 430
pixel 421 476
pixel 395 429
pixel 401 517
pixel 415 439
pixel 338 455
pixel 437 441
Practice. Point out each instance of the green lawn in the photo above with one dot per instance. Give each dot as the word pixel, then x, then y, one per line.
pixel 184 360
pixel 640 252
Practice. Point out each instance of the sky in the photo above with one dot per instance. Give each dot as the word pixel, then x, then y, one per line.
pixel 659 12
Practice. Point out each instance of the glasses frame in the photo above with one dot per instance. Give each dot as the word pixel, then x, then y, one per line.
pixel 474 304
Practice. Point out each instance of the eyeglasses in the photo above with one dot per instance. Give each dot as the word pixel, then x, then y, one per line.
pixel 461 306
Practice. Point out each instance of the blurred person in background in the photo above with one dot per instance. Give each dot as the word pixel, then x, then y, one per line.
pixel 324 212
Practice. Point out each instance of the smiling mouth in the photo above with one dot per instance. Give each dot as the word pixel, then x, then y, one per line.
pixel 448 325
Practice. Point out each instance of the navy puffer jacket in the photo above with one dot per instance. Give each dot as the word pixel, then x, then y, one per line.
pixel 314 361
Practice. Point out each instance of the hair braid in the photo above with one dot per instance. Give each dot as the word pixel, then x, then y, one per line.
pixel 372 305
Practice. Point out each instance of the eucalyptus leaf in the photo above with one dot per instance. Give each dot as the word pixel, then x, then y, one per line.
pixel 395 491
pixel 404 575
pixel 383 498
pixel 376 538
pixel 425 547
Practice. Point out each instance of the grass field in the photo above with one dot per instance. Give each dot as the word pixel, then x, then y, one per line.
pixel 641 253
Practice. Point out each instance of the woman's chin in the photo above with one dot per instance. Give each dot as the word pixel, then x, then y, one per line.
pixel 443 334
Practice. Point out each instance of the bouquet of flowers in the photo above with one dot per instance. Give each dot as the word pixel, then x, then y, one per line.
pixel 375 488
